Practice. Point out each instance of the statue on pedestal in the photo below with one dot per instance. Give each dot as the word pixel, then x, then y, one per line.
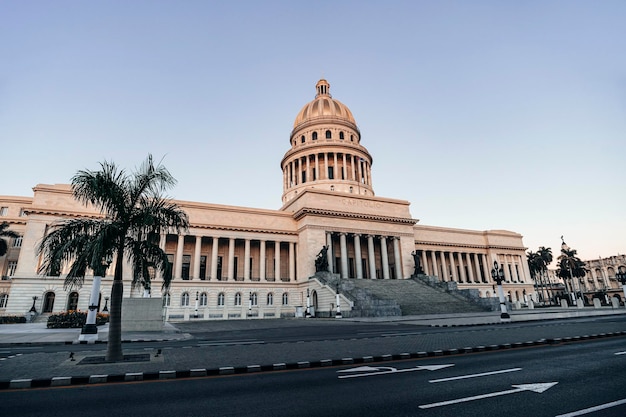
pixel 321 261
pixel 418 265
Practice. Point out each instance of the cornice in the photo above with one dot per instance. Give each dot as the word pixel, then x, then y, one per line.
pixel 346 215
pixel 242 229
pixel 463 245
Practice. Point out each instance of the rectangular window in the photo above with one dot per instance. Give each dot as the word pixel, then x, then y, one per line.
pixel 17 242
pixel 219 269
pixel 4 298
pixel 184 274
pixel 331 174
pixel 303 177
pixel 202 267
pixel 12 268
pixel 314 174
pixel 168 269
pixel 4 211
pixel 22 213
pixel 235 269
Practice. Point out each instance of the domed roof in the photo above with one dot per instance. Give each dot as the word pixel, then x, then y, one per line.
pixel 324 107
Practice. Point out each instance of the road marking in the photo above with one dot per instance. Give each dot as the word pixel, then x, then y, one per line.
pixel 538 388
pixel 454 378
pixel 621 353
pixel 593 409
pixel 383 370
pixel 233 343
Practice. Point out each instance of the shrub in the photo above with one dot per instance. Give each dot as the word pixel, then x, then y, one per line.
pixel 12 319
pixel 73 319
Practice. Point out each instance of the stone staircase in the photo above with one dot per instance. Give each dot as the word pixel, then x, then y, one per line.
pixel 379 298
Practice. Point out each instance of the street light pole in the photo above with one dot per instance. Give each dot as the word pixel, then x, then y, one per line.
pixel 621 276
pixel 308 303
pixel 195 315
pixel 337 300
pixel 498 276
pixel 89 333
pixel 250 305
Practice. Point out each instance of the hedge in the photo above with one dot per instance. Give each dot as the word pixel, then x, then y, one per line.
pixel 73 319
pixel 12 319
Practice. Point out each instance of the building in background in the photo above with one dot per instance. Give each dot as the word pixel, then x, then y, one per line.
pixel 236 262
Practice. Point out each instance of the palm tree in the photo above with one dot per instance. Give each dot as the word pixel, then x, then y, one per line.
pixel 133 210
pixel 533 265
pixel 5 233
pixel 570 266
pixel 545 254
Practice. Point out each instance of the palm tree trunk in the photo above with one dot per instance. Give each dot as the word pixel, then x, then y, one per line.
pixel 114 345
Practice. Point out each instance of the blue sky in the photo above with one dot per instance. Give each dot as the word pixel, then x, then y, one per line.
pixel 483 114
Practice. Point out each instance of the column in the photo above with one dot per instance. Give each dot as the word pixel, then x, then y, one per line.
pixel 384 257
pixel 246 260
pixel 262 261
pixel 196 258
pixel 179 257
pixel 317 166
pixel 216 241
pixel 308 169
pixel 231 259
pixel 486 267
pixel 371 258
pixel 462 277
pixel 335 166
pixel 330 253
pixel 325 166
pixel 453 268
pixel 159 273
pixel 277 260
pixel 344 255
pixel 344 169
pixel 444 266
pixel 425 263
pixel 292 261
pixel 358 256
pixel 360 170
pixel 353 168
pixel 396 255
pixel 433 257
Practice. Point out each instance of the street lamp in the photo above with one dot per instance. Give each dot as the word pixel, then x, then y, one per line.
pixel 337 300
pixel 308 303
pixel 106 305
pixel 498 276
pixel 89 333
pixel 250 305
pixel 33 309
pixel 195 315
pixel 621 277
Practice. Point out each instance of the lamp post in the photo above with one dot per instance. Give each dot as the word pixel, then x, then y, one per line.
pixel 195 315
pixel 33 309
pixel 250 305
pixel 106 305
pixel 621 277
pixel 337 300
pixel 89 333
pixel 308 303
pixel 498 276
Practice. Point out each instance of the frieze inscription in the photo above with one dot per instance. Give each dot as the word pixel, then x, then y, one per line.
pixel 361 203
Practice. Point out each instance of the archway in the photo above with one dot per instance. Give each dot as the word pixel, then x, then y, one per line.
pixel 314 302
pixel 72 301
pixel 48 302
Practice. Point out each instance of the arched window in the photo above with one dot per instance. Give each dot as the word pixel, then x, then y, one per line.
pixel 341 135
pixel 302 139
pixel 314 136
pixel 328 135
pixel 285 299
pixel 48 302
pixel 351 138
pixel 166 299
pixel 254 299
pixel 72 301
pixel 184 299
pixel 332 188
pixel 4 299
pixel 270 299
pixel 220 299
pixel 203 299
pixel 238 299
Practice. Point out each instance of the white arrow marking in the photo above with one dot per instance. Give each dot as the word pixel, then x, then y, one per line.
pixel 371 371
pixel 539 388
pixel 621 353
pixel 454 378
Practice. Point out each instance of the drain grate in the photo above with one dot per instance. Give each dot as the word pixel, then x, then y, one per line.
pixel 98 360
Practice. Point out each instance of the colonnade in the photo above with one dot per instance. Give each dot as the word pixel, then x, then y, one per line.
pixel 471 267
pixel 302 169
pixel 262 260
pixel 351 261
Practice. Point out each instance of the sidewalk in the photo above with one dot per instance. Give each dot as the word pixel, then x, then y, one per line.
pixel 30 370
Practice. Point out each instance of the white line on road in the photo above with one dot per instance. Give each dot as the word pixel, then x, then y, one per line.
pixel 621 353
pixel 454 378
pixel 383 370
pixel 593 409
pixel 539 388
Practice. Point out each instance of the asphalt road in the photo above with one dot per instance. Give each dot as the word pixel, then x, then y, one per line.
pixel 550 380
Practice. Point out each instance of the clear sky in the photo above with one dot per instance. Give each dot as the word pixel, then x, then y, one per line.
pixel 483 114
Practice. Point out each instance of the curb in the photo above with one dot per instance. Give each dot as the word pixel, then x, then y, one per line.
pixel 230 370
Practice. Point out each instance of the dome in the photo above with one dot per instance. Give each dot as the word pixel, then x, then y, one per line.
pixel 324 107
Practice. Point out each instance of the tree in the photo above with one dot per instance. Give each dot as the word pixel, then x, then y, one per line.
pixel 5 233
pixel 570 266
pixel 133 212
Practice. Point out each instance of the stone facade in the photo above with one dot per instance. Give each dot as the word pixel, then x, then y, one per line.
pixel 238 262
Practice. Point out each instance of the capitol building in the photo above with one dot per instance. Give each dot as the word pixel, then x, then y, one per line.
pixel 241 262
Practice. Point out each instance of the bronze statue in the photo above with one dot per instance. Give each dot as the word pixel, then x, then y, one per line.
pixel 418 266
pixel 321 261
